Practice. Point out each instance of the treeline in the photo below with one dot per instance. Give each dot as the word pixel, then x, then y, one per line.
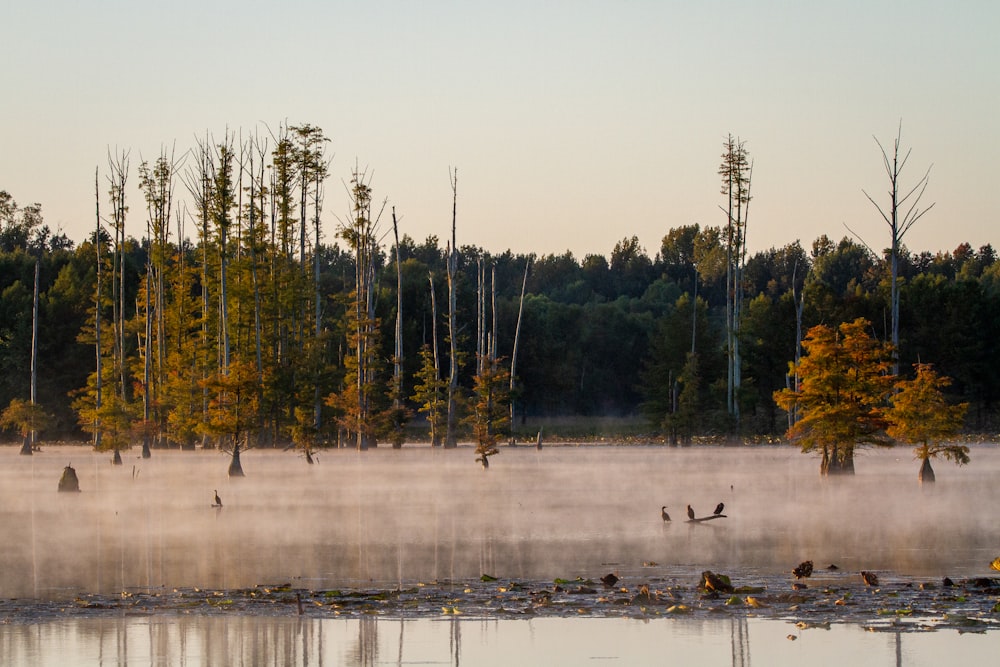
pixel 234 317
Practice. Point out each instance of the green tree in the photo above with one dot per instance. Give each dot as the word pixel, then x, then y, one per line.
pixel 430 395
pixel 921 415
pixel 844 381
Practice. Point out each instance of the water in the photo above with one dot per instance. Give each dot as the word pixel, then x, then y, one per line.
pixel 140 562
pixel 253 640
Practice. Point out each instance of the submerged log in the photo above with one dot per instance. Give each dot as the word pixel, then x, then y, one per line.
pixel 707 518
pixel 69 480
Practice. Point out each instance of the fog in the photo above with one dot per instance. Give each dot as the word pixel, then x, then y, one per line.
pixel 400 517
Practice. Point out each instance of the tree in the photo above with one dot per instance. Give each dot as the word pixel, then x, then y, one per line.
pixel 429 394
pixel 844 381
pixel 27 417
pixel 904 211
pixel 451 434
pixel 921 415
pixel 736 171
pixel 490 410
pixel 681 421
pixel 358 399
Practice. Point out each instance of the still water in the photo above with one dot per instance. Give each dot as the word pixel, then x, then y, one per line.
pixel 396 520
pixel 252 641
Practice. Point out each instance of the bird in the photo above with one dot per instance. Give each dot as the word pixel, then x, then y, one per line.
pixel 870 578
pixel 690 513
pixel 719 508
pixel 218 500
pixel 663 513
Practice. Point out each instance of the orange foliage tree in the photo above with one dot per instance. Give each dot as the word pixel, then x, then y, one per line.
pixel 921 415
pixel 844 382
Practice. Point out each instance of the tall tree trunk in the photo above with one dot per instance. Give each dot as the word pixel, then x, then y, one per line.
pixel 898 224
pixel 517 338
pixel 435 432
pixel 397 361
pixel 32 439
pixel 451 436
pixel 97 318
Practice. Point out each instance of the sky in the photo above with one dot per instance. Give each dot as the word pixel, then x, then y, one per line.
pixel 572 124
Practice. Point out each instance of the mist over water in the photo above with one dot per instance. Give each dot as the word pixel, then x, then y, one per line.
pixel 398 517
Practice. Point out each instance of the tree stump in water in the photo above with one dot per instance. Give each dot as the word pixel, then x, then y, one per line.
pixel 26 447
pixel 69 481
pixel 117 458
pixel 926 471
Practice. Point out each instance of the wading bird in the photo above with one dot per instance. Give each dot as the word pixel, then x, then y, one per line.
pixel 663 513
pixel 690 513
pixel 719 508
pixel 218 500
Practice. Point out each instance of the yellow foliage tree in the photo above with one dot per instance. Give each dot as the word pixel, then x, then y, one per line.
pixel 844 382
pixel 920 415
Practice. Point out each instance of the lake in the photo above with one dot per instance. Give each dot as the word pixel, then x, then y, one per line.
pixel 386 551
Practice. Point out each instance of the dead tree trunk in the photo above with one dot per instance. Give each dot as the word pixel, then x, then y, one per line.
pixel 34 357
pixel 451 436
pixel 899 223
pixel 517 337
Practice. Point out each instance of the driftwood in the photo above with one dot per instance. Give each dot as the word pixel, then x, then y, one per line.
pixel 707 518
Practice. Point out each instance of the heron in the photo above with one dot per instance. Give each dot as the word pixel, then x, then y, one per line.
pixel 719 508
pixel 690 513
pixel 218 500
pixel 663 513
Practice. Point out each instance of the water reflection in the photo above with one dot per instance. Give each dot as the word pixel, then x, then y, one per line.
pixel 256 640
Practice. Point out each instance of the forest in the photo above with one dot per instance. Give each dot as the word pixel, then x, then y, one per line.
pixel 231 318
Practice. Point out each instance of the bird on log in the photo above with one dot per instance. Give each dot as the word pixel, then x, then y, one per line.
pixel 218 500
pixel 692 518
pixel 663 513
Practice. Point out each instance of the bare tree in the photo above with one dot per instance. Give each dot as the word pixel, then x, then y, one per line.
pixel 451 437
pixel 517 337
pixel 99 381
pixel 904 211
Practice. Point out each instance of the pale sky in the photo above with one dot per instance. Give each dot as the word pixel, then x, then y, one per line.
pixel 572 124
